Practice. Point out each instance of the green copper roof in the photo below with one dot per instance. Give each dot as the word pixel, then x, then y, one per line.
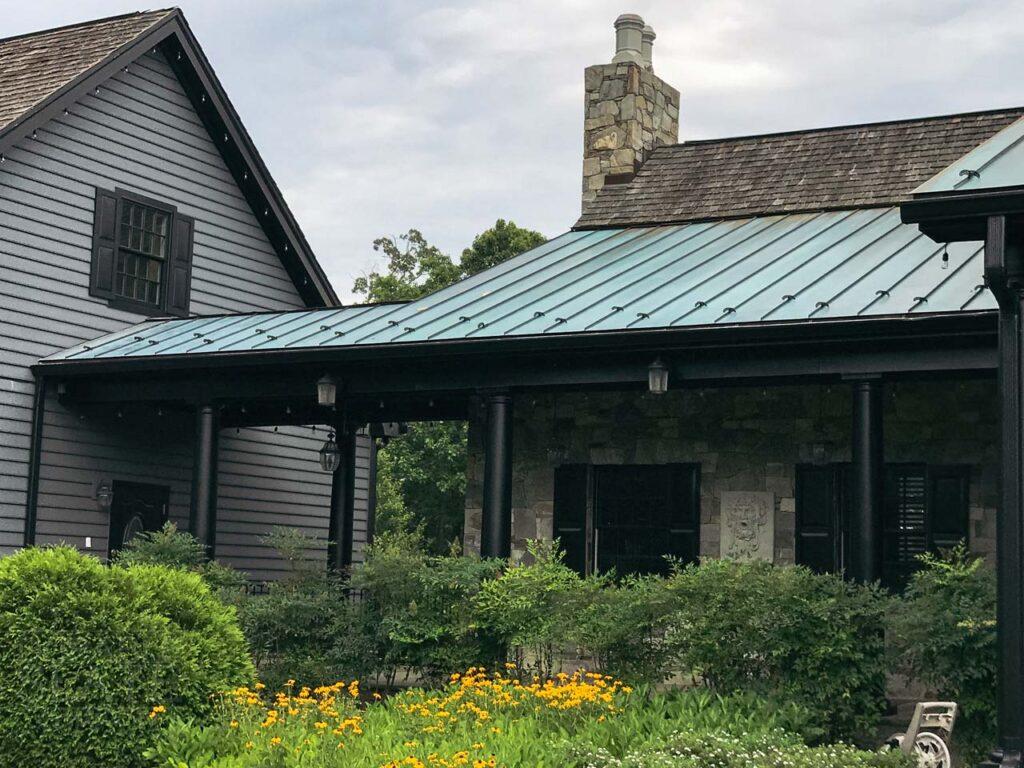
pixel 996 163
pixel 808 268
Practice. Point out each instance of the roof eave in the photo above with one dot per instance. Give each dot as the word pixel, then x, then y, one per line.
pixel 219 116
pixel 739 336
pixel 961 216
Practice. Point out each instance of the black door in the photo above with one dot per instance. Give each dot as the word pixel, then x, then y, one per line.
pixel 627 518
pixel 136 507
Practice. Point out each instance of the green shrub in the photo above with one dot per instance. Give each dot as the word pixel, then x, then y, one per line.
pixel 310 631
pixel 306 627
pixel 87 652
pixel 619 628
pixel 422 606
pixel 816 640
pixel 944 635
pixel 178 549
pixel 530 607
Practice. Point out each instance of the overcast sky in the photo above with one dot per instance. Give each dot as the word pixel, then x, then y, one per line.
pixel 377 116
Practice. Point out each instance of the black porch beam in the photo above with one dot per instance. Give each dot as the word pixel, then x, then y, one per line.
pixel 203 517
pixel 496 528
pixel 868 468
pixel 342 513
pixel 1004 272
pixel 448 381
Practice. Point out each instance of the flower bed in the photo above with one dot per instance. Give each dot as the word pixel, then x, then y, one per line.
pixel 484 720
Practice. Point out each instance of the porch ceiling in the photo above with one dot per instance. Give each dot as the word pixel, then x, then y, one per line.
pixel 811 268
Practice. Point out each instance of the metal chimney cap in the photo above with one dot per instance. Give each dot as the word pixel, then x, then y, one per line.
pixel 628 39
pixel 647 47
pixel 629 19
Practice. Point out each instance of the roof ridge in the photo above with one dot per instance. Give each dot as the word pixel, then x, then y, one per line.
pixel 850 126
pixel 91 22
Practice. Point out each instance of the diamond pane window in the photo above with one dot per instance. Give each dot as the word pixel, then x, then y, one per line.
pixel 142 250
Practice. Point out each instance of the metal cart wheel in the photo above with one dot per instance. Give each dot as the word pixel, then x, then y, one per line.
pixel 931 751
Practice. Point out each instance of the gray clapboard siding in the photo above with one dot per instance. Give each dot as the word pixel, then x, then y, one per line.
pixel 138 132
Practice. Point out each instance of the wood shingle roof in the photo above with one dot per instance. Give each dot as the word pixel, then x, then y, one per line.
pixel 34 66
pixel 858 166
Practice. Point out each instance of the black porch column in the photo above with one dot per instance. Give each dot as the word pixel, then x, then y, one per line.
pixel 339 547
pixel 204 477
pixel 1004 272
pixel 496 528
pixel 867 479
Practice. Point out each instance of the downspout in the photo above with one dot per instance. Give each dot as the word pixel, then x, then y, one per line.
pixel 34 459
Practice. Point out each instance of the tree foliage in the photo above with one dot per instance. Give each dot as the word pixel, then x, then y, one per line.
pixel 497 244
pixel 421 477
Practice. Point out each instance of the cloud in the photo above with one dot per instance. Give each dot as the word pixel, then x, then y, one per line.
pixel 377 117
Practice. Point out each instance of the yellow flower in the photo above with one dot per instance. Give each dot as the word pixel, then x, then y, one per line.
pixel 158 709
pixel 276 740
pixel 234 723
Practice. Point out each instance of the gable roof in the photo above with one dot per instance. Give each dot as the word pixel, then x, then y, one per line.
pixel 857 166
pixel 43 73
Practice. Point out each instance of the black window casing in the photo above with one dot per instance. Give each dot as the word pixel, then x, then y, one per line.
pixel 176 276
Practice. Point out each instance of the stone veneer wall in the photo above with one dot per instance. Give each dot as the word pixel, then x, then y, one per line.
pixel 628 112
pixel 746 439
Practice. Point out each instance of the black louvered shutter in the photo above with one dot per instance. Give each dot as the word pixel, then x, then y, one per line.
pixel 104 245
pixel 905 532
pixel 948 506
pixel 817 505
pixel 179 266
pixel 570 514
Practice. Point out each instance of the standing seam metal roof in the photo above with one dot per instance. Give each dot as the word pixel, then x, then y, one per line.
pixel 810 267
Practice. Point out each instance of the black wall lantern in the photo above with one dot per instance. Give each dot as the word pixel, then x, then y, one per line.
pixel 104 495
pixel 326 391
pixel 330 455
pixel 657 377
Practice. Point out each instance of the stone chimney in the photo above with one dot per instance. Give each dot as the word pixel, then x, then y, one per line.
pixel 628 110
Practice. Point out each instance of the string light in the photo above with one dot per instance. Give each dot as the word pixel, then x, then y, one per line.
pixel 945 256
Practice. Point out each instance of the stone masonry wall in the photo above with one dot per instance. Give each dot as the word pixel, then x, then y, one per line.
pixel 628 112
pixel 745 439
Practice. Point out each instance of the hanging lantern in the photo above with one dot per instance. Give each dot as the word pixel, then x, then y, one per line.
pixel 657 377
pixel 330 455
pixel 326 391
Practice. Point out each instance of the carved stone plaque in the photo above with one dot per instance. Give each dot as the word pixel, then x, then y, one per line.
pixel 748 525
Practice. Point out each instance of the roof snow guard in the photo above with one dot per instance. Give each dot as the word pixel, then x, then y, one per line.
pixel 798 268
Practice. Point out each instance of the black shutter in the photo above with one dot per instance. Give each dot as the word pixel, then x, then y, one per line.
pixel 104 245
pixel 570 514
pixel 179 266
pixel 905 532
pixel 817 505
pixel 948 506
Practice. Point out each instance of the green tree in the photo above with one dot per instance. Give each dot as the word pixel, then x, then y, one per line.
pixel 421 476
pixel 414 268
pixel 497 244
